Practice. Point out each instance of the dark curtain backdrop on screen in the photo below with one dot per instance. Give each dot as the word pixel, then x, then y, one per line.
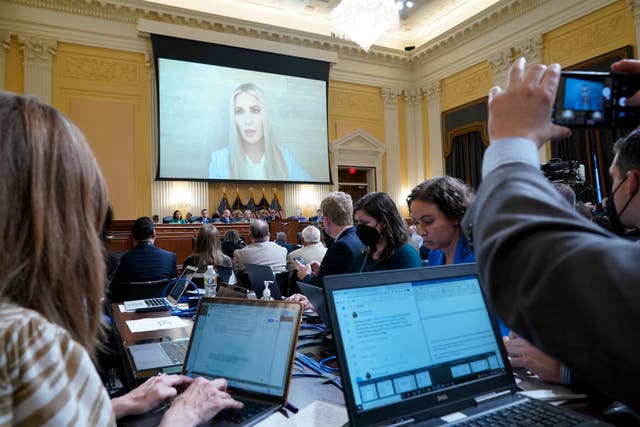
pixel 593 147
pixel 233 114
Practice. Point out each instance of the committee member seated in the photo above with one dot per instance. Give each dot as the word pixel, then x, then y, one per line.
pixel 204 217
pixel 226 217
pixel 560 281
pixel 260 251
pixel 51 310
pixel 145 262
pixel 338 224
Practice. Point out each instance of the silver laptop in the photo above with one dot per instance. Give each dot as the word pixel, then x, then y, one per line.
pixel 158 355
pixel 252 344
pixel 171 300
pixel 419 346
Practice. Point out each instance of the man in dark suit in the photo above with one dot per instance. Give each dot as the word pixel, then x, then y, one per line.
pixel 145 262
pixel 204 217
pixel 226 217
pixel 338 223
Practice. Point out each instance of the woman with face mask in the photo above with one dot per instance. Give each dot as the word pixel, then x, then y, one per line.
pixel 384 234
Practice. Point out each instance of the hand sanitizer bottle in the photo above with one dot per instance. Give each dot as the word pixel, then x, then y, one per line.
pixel 266 294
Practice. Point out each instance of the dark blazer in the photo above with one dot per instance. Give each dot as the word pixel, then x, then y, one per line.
pixel 229 247
pixel 226 220
pixel 146 262
pixel 339 256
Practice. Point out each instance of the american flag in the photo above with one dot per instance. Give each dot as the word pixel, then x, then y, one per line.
pixel 237 203
pixel 224 203
pixel 251 204
pixel 264 203
pixel 275 204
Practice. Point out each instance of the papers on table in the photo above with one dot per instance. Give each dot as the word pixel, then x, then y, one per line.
pixel 155 323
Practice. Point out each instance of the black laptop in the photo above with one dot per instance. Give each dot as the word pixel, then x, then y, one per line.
pixel 419 346
pixel 251 343
pixel 258 274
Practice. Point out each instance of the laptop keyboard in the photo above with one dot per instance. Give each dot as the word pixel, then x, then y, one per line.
pixel 176 350
pixel 529 413
pixel 250 409
pixel 154 302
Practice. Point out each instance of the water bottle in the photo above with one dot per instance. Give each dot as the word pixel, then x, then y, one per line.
pixel 266 294
pixel 210 282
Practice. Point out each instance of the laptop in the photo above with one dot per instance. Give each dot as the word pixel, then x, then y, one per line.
pixel 315 295
pixel 252 344
pixel 419 346
pixel 156 304
pixel 157 355
pixel 258 274
pixel 226 276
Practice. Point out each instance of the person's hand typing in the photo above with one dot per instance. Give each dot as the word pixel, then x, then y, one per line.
pixel 149 395
pixel 523 108
pixel 306 304
pixel 200 402
pixel 523 355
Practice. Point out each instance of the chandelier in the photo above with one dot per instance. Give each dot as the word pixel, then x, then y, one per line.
pixel 364 21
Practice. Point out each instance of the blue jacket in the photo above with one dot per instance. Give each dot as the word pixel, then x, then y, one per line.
pixel 339 256
pixel 463 254
pixel 146 262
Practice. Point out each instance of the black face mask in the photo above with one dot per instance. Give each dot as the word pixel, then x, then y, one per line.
pixel 614 216
pixel 369 236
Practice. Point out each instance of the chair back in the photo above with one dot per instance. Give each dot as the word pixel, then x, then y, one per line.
pixel 128 291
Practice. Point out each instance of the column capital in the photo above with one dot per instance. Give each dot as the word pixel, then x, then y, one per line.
pixel 634 5
pixel 501 61
pixel 413 96
pixel 5 39
pixel 530 49
pixel 390 95
pixel 432 90
pixel 37 49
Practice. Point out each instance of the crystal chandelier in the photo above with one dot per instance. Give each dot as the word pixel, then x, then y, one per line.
pixel 364 21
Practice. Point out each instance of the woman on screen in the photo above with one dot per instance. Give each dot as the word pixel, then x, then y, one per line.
pixel 253 153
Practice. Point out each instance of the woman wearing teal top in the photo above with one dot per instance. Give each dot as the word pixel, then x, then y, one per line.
pixel 177 218
pixel 384 234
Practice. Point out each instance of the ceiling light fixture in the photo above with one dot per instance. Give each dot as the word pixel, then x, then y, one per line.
pixel 364 21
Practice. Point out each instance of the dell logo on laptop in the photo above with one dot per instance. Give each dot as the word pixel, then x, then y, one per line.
pixel 442 397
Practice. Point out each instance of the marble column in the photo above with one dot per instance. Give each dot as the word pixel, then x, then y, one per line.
pixel 436 164
pixel 38 57
pixel 392 141
pixel 415 137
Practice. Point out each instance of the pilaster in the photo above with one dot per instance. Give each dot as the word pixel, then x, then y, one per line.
pixel 38 59
pixel 432 92
pixel 415 136
pixel 392 141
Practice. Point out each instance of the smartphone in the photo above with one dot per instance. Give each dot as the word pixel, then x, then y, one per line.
pixel 596 99
pixel 300 260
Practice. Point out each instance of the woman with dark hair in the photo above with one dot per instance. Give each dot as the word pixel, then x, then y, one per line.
pixel 437 206
pixel 231 242
pixel 208 250
pixel 177 218
pixel 52 282
pixel 384 234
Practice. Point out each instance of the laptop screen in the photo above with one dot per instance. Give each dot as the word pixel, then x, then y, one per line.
pixel 246 342
pixel 410 335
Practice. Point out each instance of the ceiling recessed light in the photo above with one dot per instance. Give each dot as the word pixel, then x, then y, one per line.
pixel 409 3
pixel 399 5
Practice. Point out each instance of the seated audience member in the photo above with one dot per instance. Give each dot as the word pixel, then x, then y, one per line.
pixel 51 310
pixel 231 243
pixel 260 251
pixel 145 262
pixel 312 249
pixel 338 219
pixel 317 217
pixel 177 218
pixel 208 250
pixel 155 219
pixel 281 240
pixel 517 214
pixel 437 206
pixel 384 233
pixel 226 217
pixel 204 217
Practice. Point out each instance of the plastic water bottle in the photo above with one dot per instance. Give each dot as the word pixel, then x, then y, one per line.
pixel 210 282
pixel 266 294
